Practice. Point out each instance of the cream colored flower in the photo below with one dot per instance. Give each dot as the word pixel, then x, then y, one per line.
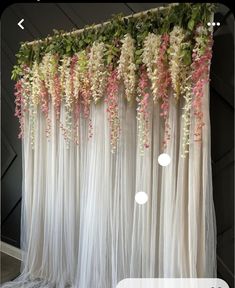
pixel 150 54
pixel 97 71
pixel 127 67
pixel 186 116
pixel 176 64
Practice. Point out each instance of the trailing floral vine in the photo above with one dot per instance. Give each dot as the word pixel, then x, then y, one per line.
pixel 153 55
pixel 112 108
pixel 86 94
pixel 150 55
pixel 143 110
pixel 187 95
pixel 179 55
pixel 19 106
pixel 97 70
pixel 127 67
pixel 202 53
pixel 163 85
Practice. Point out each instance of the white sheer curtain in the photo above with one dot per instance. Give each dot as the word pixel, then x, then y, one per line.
pixel 81 226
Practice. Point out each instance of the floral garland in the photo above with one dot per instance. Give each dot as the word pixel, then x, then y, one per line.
pixel 150 59
pixel 181 78
pixel 34 100
pixel 202 54
pixel 178 44
pixel 187 95
pixel 127 67
pixel 45 107
pixel 143 110
pixel 97 70
pixel 68 98
pixel 76 94
pixel 150 55
pixel 163 85
pixel 19 106
pixel 112 108
pixel 86 95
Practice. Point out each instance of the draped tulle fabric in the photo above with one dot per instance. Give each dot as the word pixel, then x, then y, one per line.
pixel 81 226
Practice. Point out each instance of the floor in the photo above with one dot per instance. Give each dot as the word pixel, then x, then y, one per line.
pixel 10 267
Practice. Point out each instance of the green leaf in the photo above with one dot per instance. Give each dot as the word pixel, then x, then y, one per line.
pixel 139 52
pixel 109 59
pixel 187 60
pixel 68 48
pixel 191 24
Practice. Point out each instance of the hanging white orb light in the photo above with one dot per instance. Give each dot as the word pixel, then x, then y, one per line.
pixel 141 197
pixel 164 159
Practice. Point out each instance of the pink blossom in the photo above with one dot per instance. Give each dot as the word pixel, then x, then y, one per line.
pixel 163 84
pixel 112 107
pixel 45 106
pixel 200 77
pixel 58 92
pixel 143 109
pixel 19 106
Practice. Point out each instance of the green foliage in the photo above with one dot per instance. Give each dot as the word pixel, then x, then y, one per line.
pixel 186 15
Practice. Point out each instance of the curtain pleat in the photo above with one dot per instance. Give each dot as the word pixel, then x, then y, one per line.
pixel 81 226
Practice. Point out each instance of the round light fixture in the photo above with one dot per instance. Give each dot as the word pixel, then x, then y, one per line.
pixel 164 159
pixel 141 197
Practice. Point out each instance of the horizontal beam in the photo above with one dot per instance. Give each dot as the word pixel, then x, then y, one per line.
pixel 105 23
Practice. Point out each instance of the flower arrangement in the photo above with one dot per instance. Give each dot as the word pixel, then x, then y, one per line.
pixel 112 108
pixel 153 55
pixel 179 66
pixel 163 85
pixel 127 67
pixel 19 106
pixel 202 53
pixel 143 110
pixel 177 57
pixel 97 71
pixel 150 55
pixel 187 95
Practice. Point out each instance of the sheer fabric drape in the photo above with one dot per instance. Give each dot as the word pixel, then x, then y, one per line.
pixel 81 226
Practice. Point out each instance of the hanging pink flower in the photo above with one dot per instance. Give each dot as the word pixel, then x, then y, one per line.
pixel 163 84
pixel 72 72
pixel 82 89
pixel 75 96
pixel 58 93
pixel 112 108
pixel 45 106
pixel 143 110
pixel 18 106
pixel 86 101
pixel 201 56
pixel 77 110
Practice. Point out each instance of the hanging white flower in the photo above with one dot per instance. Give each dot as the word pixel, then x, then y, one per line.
pixel 48 70
pixel 64 76
pixel 35 84
pixel 45 70
pixel 34 99
pixel 67 82
pixel 77 76
pixel 127 67
pixel 186 116
pixel 97 71
pixel 176 61
pixel 26 88
pixel 202 41
pixel 150 54
pixel 68 97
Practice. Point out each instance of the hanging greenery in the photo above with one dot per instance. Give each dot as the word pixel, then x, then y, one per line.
pixel 154 49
